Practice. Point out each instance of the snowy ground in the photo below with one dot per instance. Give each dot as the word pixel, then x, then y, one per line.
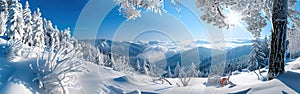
pixel 247 82
pixel 16 78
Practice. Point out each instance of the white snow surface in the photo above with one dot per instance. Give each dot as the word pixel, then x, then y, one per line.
pixel 16 78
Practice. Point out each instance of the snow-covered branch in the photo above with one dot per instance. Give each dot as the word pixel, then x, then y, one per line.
pixel 58 70
pixel 132 8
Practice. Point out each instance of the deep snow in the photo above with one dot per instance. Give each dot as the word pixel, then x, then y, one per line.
pixel 16 78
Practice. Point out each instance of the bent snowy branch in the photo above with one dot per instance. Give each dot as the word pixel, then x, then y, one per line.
pixel 57 71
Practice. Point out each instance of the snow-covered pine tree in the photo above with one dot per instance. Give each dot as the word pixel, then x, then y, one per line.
pixel 49 33
pixel 3 16
pixel 146 68
pixel 252 63
pixel 260 56
pixel 92 53
pixel 194 72
pixel 56 37
pixel 138 66
pixel 15 21
pixel 266 50
pixel 294 44
pixel 99 57
pixel 257 56
pixel 38 30
pixel 177 70
pixel 169 72
pixel 2 24
pixel 66 34
pixel 3 6
pixel 266 47
pixel 27 25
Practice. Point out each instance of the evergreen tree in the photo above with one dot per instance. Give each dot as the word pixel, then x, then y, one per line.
pixel 265 47
pixel 293 37
pixel 169 74
pixel 177 70
pixel 49 33
pixel 193 70
pixel 145 68
pixel 27 25
pixel 66 34
pixel 38 31
pixel 257 56
pixel 15 22
pixel 3 16
pixel 3 6
pixel 138 66
pixel 56 37
pixel 266 50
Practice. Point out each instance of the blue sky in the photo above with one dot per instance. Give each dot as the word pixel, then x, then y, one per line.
pixel 65 13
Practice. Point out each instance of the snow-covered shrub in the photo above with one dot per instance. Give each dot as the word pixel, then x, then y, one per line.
pixel 92 54
pixel 184 77
pixel 122 64
pixel 57 71
pixel 16 50
pixel 13 49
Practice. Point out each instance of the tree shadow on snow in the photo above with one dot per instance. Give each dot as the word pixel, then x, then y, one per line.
pixel 5 72
pixel 17 73
pixel 24 75
pixel 291 79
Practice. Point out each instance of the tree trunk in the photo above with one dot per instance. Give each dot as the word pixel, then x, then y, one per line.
pixel 278 43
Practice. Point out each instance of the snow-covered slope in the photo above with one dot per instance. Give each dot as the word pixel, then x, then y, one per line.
pixel 16 77
pixel 246 82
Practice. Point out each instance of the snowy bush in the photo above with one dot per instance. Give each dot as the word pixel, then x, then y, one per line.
pixel 184 77
pixel 57 71
pixel 122 64
pixel 12 49
pixel 92 54
pixel 16 50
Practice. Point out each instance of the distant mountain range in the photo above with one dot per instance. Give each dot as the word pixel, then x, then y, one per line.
pixel 164 54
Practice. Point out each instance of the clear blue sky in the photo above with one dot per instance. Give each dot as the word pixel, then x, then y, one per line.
pixel 64 13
